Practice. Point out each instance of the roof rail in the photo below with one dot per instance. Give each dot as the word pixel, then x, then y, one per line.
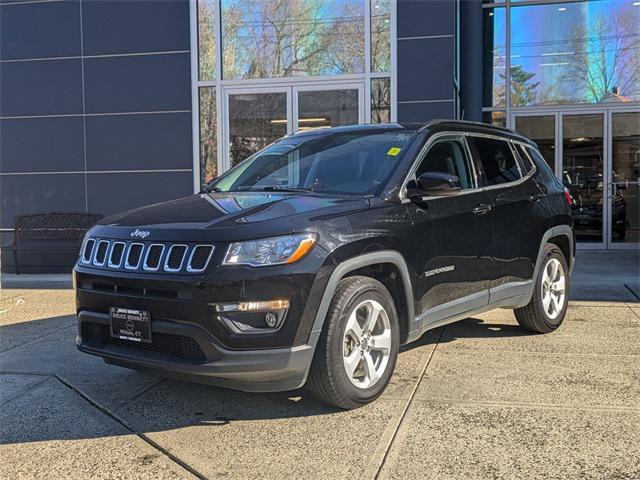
pixel 439 121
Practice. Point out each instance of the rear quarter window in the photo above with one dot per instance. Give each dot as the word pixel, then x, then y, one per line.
pixel 525 161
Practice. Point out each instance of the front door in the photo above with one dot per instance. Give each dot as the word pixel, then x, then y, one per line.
pixel 583 173
pixel 452 236
pixel 624 181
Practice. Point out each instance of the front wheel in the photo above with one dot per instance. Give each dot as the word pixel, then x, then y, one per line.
pixel 358 347
pixel 548 306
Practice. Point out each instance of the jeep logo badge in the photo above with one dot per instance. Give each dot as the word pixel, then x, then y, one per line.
pixel 140 233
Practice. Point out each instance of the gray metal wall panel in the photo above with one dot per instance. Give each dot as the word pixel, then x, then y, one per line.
pixel 137 142
pixel 423 112
pixel 138 83
pixel 133 27
pixel 45 144
pixel 25 194
pixel 417 18
pixel 425 69
pixel 41 88
pixel 135 189
pixel 34 30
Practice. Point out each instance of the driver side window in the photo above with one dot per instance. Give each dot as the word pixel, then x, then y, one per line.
pixel 447 156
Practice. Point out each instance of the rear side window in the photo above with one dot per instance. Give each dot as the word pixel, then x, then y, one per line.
pixel 496 160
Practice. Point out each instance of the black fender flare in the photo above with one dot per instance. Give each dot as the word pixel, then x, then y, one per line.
pixel 354 263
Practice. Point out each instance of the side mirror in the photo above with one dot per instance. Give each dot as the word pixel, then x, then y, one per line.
pixel 435 184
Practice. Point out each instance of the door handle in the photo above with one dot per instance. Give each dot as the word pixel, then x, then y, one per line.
pixel 536 197
pixel 482 209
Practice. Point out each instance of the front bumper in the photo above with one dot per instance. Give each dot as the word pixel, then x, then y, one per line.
pixel 188 352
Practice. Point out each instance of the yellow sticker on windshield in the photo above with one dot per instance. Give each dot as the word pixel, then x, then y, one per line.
pixel 393 151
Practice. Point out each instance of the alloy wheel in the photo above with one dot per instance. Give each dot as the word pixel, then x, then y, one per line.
pixel 366 344
pixel 553 288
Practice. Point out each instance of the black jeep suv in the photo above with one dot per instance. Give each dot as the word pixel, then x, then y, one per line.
pixel 313 260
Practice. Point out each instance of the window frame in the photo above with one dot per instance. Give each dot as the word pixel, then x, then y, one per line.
pixel 411 173
pixel 480 165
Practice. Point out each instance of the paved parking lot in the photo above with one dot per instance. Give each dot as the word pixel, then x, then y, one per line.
pixel 477 399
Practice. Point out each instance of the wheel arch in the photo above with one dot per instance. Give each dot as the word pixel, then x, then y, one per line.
pixel 366 264
pixel 563 237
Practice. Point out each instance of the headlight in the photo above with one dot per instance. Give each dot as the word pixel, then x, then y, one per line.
pixel 270 251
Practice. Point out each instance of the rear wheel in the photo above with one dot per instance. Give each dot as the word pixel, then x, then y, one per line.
pixel 358 347
pixel 548 306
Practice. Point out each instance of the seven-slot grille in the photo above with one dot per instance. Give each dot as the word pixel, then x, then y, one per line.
pixel 149 257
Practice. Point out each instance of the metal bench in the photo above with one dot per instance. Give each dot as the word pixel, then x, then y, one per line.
pixel 38 235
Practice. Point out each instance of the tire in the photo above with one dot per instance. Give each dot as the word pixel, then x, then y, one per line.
pixel 340 350
pixel 547 308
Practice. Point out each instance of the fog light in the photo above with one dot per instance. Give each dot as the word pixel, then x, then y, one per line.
pixel 271 319
pixel 253 306
pixel 252 317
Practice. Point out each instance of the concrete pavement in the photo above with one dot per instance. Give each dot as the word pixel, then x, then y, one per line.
pixel 477 399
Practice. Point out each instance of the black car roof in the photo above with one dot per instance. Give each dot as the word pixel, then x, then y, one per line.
pixel 432 126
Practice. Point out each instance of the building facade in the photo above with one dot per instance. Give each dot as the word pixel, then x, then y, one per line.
pixel 110 105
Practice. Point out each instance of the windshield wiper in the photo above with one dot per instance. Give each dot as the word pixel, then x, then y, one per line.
pixel 284 188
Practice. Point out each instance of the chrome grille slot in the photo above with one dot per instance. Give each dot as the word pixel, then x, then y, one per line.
pixel 101 253
pixel 134 255
pixel 148 257
pixel 117 251
pixel 88 250
pixel 153 257
pixel 199 258
pixel 175 258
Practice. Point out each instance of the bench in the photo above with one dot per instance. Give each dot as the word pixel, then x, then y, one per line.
pixel 49 241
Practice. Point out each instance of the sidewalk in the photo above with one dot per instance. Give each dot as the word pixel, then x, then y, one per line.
pixel 478 399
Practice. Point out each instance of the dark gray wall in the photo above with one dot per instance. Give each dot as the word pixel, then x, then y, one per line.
pixel 95 107
pixel 426 59
pixel 471 60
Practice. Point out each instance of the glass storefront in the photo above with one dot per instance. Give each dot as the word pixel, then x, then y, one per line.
pixel 567 75
pixel 266 69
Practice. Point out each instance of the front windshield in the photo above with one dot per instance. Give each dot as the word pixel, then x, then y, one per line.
pixel 349 163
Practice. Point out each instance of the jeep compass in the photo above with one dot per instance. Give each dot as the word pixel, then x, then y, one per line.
pixel 315 259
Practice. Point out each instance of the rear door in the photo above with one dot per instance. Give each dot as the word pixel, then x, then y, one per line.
pixel 501 177
pixel 452 235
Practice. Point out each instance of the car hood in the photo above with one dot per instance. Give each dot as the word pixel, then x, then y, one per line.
pixel 227 216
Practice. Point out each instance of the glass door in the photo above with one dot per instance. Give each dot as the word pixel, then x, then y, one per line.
pixel 541 128
pixel 624 181
pixel 254 119
pixel 583 173
pixel 257 116
pixel 327 106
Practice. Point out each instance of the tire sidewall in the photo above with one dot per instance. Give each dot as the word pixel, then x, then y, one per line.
pixel 382 296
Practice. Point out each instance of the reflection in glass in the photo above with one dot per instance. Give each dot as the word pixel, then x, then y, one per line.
pixel 208 132
pixel 285 38
pixel 327 108
pixel 542 130
pixel 498 118
pixel 255 121
pixel 625 177
pixel 206 39
pixel 579 52
pixel 583 162
pixel 380 100
pixel 494 57
pixel 380 35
